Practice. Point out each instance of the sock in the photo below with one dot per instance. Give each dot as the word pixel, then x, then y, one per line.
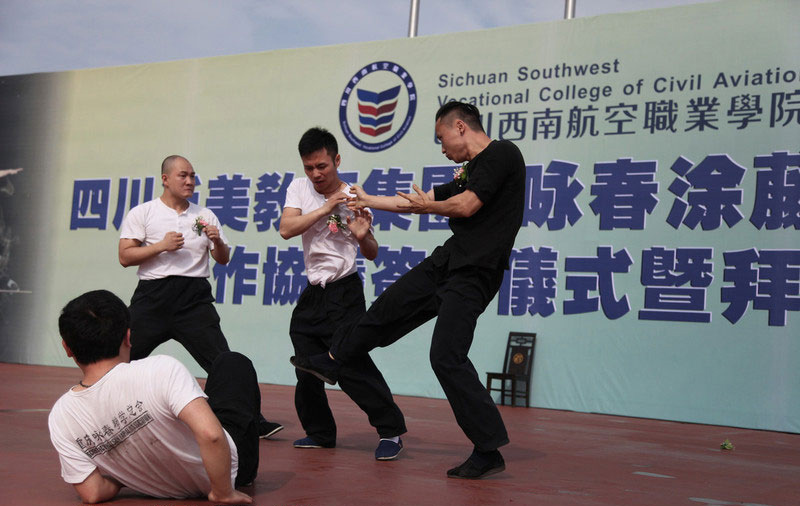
pixel 395 439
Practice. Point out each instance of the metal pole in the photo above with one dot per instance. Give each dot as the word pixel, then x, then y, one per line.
pixel 413 19
pixel 569 9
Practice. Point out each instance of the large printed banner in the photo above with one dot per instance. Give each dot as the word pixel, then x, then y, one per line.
pixel 658 261
pixel 675 281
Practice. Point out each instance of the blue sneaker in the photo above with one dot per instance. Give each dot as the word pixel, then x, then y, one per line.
pixel 388 449
pixel 307 442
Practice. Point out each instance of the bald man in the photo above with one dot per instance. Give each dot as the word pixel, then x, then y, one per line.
pixel 170 239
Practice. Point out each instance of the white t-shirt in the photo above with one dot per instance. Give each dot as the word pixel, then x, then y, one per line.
pixel 127 426
pixel 150 222
pixel 328 256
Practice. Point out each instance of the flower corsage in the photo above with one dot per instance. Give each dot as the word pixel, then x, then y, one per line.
pixel 199 224
pixel 460 174
pixel 335 223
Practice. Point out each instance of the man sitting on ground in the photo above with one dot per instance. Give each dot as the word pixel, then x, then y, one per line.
pixel 147 424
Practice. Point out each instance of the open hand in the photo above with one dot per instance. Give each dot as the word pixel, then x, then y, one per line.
pixel 359 224
pixel 418 203
pixel 334 200
pixel 357 198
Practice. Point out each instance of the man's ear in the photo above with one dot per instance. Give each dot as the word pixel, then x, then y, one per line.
pixel 66 349
pixel 125 347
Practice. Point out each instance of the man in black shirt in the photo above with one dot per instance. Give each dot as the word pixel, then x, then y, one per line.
pixel 455 283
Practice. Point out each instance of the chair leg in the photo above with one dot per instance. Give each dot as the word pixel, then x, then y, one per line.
pixel 514 392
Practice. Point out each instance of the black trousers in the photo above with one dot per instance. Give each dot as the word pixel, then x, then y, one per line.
pixel 177 308
pixel 319 312
pixel 235 399
pixel 455 298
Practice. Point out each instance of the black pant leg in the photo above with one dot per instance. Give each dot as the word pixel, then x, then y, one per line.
pixel 310 334
pixel 464 296
pixel 403 306
pixel 195 323
pixel 149 317
pixel 235 399
pixel 203 344
pixel 360 378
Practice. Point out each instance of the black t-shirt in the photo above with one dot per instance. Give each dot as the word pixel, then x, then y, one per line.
pixel 485 239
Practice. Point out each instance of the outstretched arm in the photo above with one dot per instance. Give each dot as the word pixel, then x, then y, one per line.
pixel 8 172
pixel 362 199
pixel 462 205
pixel 214 450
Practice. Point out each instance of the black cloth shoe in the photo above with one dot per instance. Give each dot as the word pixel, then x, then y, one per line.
pixel 322 366
pixel 479 465
pixel 267 429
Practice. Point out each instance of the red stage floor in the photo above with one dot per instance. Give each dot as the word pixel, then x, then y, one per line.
pixel 555 457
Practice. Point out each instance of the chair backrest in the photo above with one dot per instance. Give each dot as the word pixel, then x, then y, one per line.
pixel 519 353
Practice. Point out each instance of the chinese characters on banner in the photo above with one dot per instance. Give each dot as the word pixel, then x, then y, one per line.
pixel 666 116
pixel 706 195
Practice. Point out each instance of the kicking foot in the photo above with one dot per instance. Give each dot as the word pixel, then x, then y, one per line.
pixel 267 429
pixel 322 366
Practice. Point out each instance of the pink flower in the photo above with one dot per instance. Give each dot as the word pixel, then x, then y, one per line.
pixel 199 225
pixel 460 174
pixel 335 223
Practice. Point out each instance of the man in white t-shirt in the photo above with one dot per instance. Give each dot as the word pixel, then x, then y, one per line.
pixel 454 284
pixel 332 236
pixel 170 239
pixel 147 424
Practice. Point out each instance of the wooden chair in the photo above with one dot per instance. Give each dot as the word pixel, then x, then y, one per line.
pixel 517 369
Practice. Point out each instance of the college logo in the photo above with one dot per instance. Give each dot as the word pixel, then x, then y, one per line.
pixel 377 106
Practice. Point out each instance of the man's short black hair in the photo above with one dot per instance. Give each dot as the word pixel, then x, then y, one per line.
pixel 315 139
pixel 94 325
pixel 467 113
